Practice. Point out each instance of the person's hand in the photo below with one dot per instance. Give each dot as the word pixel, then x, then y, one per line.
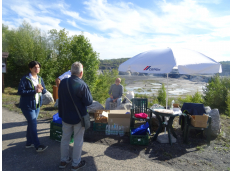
pixel 40 86
pixel 38 90
pixel 114 100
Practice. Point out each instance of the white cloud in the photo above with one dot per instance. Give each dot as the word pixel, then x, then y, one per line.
pixel 209 1
pixel 9 24
pixel 74 15
pixel 124 29
pixel 27 11
pixel 74 24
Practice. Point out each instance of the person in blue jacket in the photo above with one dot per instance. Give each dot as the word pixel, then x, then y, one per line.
pixel 31 88
pixel 70 119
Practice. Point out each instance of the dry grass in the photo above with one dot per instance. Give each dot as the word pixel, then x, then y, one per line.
pixel 10 100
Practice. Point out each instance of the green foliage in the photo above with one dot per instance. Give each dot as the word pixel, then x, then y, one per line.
pixel 225 68
pixel 216 92
pixel 24 45
pixel 68 50
pixel 111 63
pixel 151 102
pixel 55 52
pixel 103 84
pixel 227 111
pixel 162 95
pixel 82 51
pixel 145 96
pixel 196 98
pixel 5 37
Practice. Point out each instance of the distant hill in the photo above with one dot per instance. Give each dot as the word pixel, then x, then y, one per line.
pixel 225 68
pixel 109 64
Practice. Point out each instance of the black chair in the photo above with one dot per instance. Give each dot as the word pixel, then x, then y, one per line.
pixel 139 106
pixel 188 127
pixel 194 109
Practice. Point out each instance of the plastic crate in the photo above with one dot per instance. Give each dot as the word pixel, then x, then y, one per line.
pixel 139 105
pixel 113 105
pixel 99 126
pixel 139 139
pixel 56 132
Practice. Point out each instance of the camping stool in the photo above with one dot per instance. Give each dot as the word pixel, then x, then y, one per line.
pixel 113 105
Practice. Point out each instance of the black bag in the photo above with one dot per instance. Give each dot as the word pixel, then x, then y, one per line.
pixel 85 120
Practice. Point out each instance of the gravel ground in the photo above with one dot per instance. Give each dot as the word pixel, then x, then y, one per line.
pixel 193 156
pixel 98 156
pixel 101 150
pixel 155 156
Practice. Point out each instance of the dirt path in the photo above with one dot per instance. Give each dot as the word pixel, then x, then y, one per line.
pixel 193 156
pixel 101 150
pixel 98 156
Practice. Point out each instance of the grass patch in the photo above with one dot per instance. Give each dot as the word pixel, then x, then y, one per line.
pixel 139 90
pixel 10 100
pixel 168 154
pixel 201 148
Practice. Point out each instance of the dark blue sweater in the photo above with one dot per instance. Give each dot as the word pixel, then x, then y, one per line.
pixel 81 96
pixel 27 92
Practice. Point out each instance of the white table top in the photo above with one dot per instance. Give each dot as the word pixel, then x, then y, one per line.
pixel 175 111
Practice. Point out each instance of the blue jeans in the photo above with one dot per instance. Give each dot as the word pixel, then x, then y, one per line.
pixel 107 105
pixel 31 133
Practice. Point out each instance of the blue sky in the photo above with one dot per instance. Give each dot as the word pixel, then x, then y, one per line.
pixel 125 28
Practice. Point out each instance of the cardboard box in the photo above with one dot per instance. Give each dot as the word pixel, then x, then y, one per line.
pixel 176 105
pixel 99 112
pixel 199 120
pixel 121 118
pixel 101 119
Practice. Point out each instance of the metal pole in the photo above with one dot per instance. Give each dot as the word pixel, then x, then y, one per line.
pixel 167 93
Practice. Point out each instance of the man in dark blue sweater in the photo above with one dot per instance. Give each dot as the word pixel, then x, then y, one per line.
pixel 70 120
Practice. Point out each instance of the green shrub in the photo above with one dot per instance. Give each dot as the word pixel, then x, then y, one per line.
pixel 196 98
pixel 227 112
pixel 55 52
pixel 103 84
pixel 216 92
pixel 145 96
pixel 152 102
pixel 162 96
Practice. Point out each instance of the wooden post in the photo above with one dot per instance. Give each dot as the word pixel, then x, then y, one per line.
pixel 55 92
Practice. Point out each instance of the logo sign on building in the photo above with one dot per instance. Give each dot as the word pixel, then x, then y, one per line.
pixel 149 68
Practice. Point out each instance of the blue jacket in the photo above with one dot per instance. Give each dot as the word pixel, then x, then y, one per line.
pixel 81 95
pixel 27 92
